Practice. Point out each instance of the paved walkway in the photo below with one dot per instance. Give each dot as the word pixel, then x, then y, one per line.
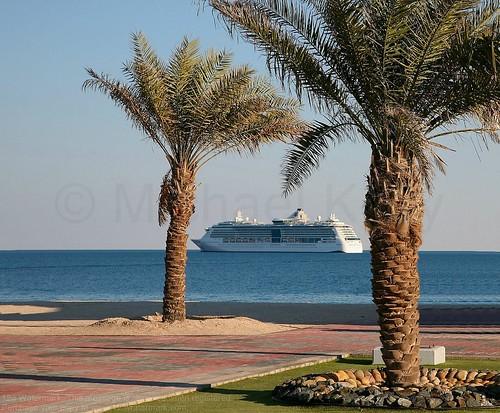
pixel 74 374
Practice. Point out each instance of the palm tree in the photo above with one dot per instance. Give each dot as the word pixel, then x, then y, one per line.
pixel 397 74
pixel 194 108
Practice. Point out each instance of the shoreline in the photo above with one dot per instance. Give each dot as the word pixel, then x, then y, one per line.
pixel 283 313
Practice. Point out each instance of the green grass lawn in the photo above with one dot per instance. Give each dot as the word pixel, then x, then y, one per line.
pixel 254 395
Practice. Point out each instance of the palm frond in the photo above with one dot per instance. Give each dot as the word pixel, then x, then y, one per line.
pixel 467 82
pixel 258 127
pixel 489 118
pixel 123 96
pixel 436 24
pixel 355 60
pixel 288 58
pixel 304 25
pixel 209 69
pixel 151 84
pixel 213 115
pixel 389 23
pixel 182 64
pixel 309 149
pixel 483 18
pixel 144 55
pixel 163 199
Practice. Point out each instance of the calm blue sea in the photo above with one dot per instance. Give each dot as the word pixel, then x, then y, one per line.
pixel 447 277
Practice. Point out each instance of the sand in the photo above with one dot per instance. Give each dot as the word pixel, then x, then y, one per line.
pixel 25 309
pixel 212 318
pixel 150 325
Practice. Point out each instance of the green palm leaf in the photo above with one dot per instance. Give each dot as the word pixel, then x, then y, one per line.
pixel 308 150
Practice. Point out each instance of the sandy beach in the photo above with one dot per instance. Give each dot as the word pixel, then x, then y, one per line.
pixel 124 318
pixel 211 318
pixel 147 326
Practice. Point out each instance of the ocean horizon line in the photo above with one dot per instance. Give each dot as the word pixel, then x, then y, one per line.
pixel 198 250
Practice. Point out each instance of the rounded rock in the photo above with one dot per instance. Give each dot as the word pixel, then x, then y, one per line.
pixel 377 376
pixel 359 374
pixel 345 384
pixel 432 374
pixel 434 402
pixel 366 381
pixel 442 373
pixel 471 375
pixel 340 375
pixel 353 382
pixel 490 375
pixel 351 375
pixel 404 402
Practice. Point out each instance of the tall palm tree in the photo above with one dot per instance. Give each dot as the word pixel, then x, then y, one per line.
pixel 194 108
pixel 398 74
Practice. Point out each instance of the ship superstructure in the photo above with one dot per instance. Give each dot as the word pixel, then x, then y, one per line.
pixel 293 234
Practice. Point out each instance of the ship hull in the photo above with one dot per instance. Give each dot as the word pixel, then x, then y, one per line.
pixel 276 247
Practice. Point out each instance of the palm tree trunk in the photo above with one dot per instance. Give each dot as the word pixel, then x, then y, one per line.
pixel 180 209
pixel 394 215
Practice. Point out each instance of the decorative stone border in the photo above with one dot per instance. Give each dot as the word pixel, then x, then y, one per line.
pixel 437 389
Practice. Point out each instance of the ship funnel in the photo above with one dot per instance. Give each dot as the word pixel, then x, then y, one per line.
pixel 238 217
pixel 299 215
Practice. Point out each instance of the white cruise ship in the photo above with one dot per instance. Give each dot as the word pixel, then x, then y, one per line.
pixel 293 234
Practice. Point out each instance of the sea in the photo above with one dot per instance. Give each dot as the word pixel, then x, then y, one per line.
pixel 137 275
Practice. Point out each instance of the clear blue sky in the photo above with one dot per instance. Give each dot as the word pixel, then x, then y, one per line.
pixel 74 174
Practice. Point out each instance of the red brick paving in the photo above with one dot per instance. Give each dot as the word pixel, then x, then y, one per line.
pixel 74 374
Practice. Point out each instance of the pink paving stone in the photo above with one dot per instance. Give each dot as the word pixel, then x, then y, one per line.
pixel 75 374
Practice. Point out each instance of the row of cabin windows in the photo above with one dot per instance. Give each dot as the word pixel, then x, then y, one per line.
pixel 246 234
pixel 246 240
pixel 286 240
pixel 274 235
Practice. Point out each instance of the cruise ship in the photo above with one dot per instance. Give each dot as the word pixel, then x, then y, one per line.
pixel 293 234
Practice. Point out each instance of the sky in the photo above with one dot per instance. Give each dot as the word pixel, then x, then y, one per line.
pixel 75 175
